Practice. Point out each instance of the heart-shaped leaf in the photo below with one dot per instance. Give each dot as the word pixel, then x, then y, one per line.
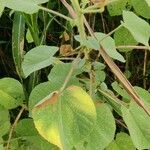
pixel 68 117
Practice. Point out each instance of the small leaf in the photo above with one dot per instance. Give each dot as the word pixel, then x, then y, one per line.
pixel 142 8
pixel 137 122
pixel 122 142
pixel 11 93
pixel 29 36
pixel 103 131
pixel 38 58
pixel 67 120
pixel 139 28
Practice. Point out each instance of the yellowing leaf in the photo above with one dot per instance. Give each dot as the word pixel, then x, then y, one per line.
pixel 66 119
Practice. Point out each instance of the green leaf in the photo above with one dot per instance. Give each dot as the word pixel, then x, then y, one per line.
pixel 29 36
pixel 4 121
pixel 123 37
pixel 117 7
pixel 26 129
pixel 27 6
pixel 111 99
pixel 122 92
pixel 122 142
pixel 104 129
pixel 18 41
pixel 142 8
pixel 62 69
pixel 106 41
pixel 137 122
pixel 38 58
pixel 139 28
pixel 68 117
pixel 11 93
pixel 144 95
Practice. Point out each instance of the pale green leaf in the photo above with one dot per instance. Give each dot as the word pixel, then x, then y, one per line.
pixel 142 8
pixel 148 2
pixel 122 142
pixel 1 9
pixel 27 6
pixel 106 41
pixel 11 93
pixel 38 58
pixel 137 122
pixel 138 27
pixel 123 37
pixel 144 94
pixel 68 118
pixel 103 131
pixel 29 36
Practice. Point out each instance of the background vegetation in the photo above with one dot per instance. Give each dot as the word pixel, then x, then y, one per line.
pixel 74 75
